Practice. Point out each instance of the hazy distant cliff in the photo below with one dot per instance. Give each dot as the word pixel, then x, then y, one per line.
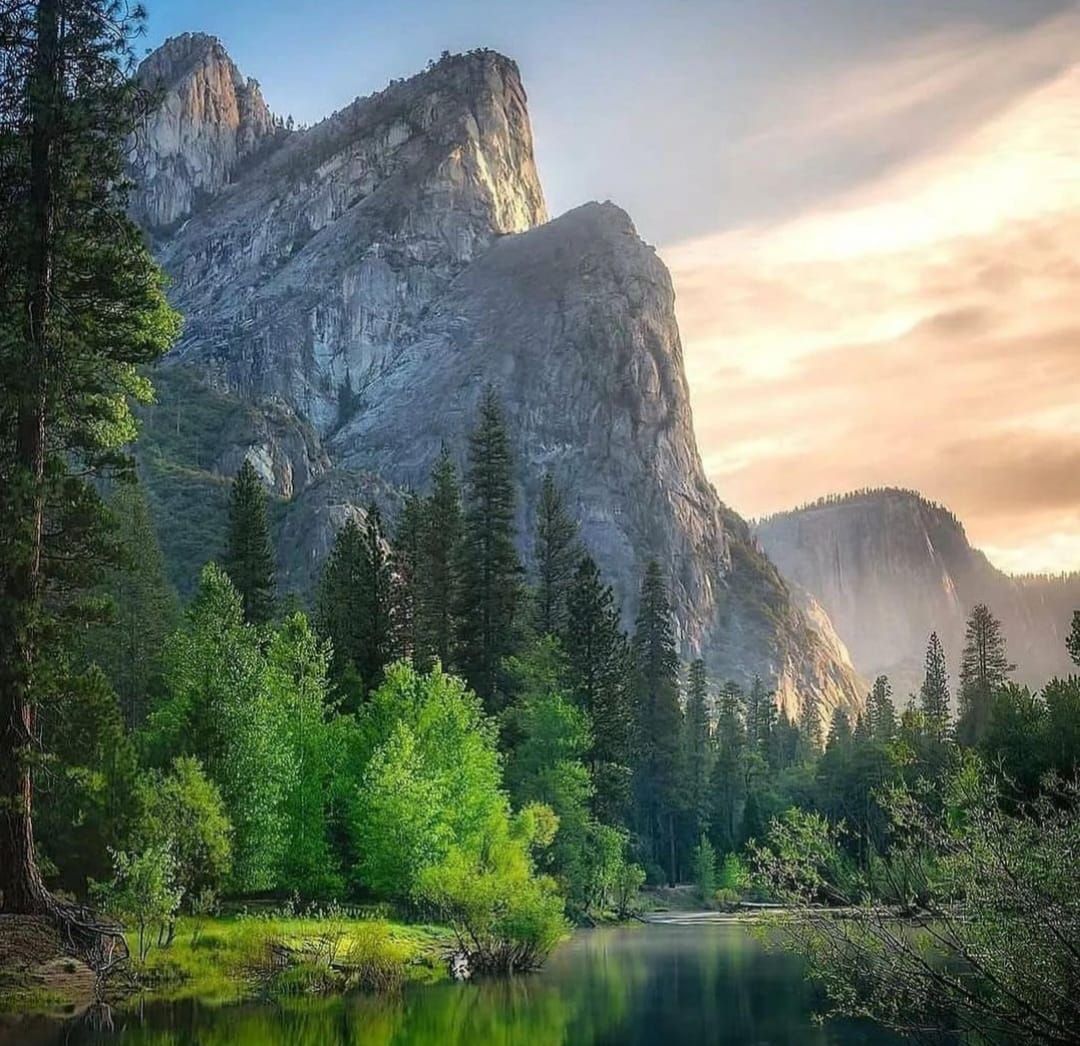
pixel 352 288
pixel 889 567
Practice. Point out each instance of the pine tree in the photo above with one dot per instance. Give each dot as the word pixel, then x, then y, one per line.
pixel 490 572
pixel 934 692
pixel 557 553
pixel 597 657
pixel 769 723
pixel 249 557
pixel 1072 644
pixel 810 724
pixel 880 711
pixel 756 702
pixel 376 602
pixel 659 720
pixel 128 646
pixel 984 671
pixel 81 308
pixel 862 731
pixel 407 582
pixel 839 730
pixel 785 741
pixel 697 749
pixel 728 776
pixel 338 598
pixel 355 603
pixel 437 569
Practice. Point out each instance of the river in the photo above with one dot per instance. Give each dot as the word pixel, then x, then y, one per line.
pixel 660 985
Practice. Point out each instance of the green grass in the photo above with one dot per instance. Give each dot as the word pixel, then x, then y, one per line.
pixel 228 958
pixel 18 998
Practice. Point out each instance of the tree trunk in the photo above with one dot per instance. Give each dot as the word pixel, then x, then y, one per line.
pixel 21 588
pixel 671 847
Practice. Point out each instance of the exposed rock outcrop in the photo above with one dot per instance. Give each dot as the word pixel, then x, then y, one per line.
pixel 889 567
pixel 209 120
pixel 305 279
pixel 372 274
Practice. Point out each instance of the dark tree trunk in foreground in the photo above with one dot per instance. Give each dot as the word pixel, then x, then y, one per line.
pixel 21 887
pixel 81 307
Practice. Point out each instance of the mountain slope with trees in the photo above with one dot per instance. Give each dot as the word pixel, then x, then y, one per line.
pixel 354 286
pixel 889 567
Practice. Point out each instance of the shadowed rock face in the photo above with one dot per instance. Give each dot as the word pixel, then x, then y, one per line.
pixel 373 274
pixel 889 567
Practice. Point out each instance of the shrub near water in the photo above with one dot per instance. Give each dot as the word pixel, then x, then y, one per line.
pixel 434 827
pixel 224 959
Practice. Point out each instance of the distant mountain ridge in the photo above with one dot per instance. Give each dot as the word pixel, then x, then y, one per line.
pixel 889 566
pixel 350 288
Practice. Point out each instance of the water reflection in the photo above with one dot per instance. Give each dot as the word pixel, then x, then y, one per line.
pixel 655 985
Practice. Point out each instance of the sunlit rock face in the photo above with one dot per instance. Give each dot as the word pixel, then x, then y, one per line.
pixel 889 567
pixel 307 270
pixel 209 120
pixel 372 274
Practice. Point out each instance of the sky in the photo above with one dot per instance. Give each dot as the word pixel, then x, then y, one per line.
pixel 870 210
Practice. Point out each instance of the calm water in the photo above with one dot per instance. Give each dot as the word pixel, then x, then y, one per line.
pixel 664 985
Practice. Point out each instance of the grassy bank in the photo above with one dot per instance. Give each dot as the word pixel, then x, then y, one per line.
pixel 231 957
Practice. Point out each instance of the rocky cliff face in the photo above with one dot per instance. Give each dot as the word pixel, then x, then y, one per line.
pixel 369 276
pixel 209 121
pixel 889 567
pixel 305 277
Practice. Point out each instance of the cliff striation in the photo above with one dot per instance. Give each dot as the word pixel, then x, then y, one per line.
pixel 354 286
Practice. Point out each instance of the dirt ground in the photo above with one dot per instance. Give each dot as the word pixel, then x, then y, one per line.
pixel 34 971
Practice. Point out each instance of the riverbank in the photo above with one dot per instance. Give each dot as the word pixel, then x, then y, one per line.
pixel 226 959
pixel 36 974
pixel 713 984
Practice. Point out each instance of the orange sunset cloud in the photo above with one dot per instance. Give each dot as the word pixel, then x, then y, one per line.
pixel 922 330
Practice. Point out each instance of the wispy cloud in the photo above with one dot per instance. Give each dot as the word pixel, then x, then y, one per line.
pixel 923 329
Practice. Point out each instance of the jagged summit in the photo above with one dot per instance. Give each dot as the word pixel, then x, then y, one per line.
pixel 356 284
pixel 180 55
pixel 210 120
pixel 304 268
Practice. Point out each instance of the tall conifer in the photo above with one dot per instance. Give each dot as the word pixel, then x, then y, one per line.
pixel 934 692
pixel 840 732
pixel 81 308
pixel 129 645
pixel 810 724
pixel 249 557
pixel 984 671
pixel 659 720
pixel 557 553
pixel 490 571
pixel 597 661
pixel 355 602
pixel 728 775
pixel 407 583
pixel 438 565
pixel 880 711
pixel 697 749
pixel 337 601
